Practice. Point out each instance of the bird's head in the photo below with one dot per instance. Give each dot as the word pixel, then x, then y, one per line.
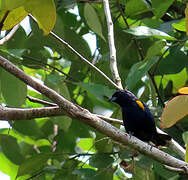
pixel 123 97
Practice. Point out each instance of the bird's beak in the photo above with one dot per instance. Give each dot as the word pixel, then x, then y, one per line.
pixel 112 99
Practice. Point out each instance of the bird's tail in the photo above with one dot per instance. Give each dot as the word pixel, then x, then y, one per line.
pixel 161 139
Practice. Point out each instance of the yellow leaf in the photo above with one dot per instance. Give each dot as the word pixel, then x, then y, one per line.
pixel 44 12
pixel 183 90
pixel 186 153
pixel 186 18
pixel 10 4
pixel 175 109
pixel 14 17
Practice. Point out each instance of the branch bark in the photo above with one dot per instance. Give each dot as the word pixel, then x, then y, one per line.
pixel 9 35
pixel 26 114
pixel 92 120
pixel 113 60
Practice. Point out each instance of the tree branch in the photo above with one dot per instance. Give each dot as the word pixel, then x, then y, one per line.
pixel 35 100
pixel 26 114
pixel 113 60
pixel 9 35
pixel 83 59
pixel 92 120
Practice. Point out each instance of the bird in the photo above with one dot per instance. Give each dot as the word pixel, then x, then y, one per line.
pixel 137 118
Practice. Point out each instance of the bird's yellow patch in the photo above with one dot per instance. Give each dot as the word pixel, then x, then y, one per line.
pixel 140 104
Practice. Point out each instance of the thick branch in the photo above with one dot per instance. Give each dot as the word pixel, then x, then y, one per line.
pixel 113 61
pixel 92 120
pixel 27 114
pixel 24 114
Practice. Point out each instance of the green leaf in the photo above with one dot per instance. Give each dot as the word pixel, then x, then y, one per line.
pixel 160 7
pixel 27 139
pixel 178 80
pixel 66 141
pixel 174 110
pixel 33 164
pixel 135 7
pixel 99 91
pixel 14 17
pixel 186 153
pixel 138 70
pixel 11 149
pixel 63 122
pixel 164 173
pixel 44 12
pixel 185 137
pixel 86 173
pixel 7 167
pixel 170 65
pixel 102 144
pixel 9 4
pixel 149 32
pixel 181 25
pixel 93 20
pixel 145 174
pixel 27 127
pixel 86 144
pixel 101 161
pixel 13 90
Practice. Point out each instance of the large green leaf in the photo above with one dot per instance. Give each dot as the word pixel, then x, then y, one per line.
pixel 160 7
pixel 11 149
pixel 86 144
pixel 93 20
pixel 181 25
pixel 14 17
pixel 178 80
pixel 139 69
pixel 101 161
pixel 135 7
pixel 86 173
pixel 144 31
pixel 174 62
pixel 7 167
pixel 13 90
pixel 44 11
pixel 26 127
pixel 9 4
pixel 33 164
pixel 99 91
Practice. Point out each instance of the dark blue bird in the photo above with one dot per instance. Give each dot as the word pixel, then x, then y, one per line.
pixel 137 118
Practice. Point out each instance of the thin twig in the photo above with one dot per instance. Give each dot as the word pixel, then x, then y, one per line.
pixel 113 60
pixel 9 35
pixel 84 59
pixel 111 120
pixel 49 65
pixel 36 100
pixel 177 170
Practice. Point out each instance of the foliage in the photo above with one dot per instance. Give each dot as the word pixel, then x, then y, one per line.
pixel 151 45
